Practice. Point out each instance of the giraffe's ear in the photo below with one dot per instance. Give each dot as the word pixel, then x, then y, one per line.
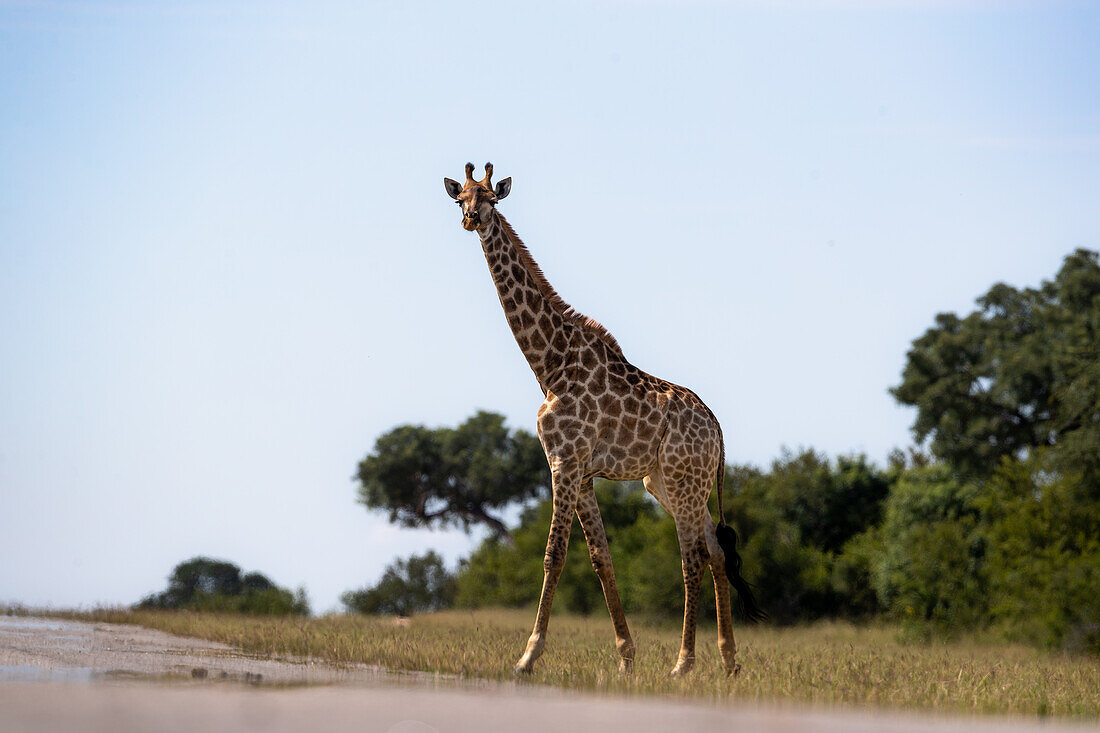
pixel 453 189
pixel 503 188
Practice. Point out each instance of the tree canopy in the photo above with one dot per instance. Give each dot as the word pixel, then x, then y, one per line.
pixel 1020 372
pixel 461 476
pixel 202 583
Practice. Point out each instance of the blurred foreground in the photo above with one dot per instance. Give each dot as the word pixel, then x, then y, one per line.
pixel 825 664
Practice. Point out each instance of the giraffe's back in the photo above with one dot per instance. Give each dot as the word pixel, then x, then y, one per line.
pixel 625 422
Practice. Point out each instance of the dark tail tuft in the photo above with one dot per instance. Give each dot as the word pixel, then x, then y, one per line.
pixel 727 540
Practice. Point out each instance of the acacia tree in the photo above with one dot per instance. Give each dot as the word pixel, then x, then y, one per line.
pixel 1021 372
pixel 460 476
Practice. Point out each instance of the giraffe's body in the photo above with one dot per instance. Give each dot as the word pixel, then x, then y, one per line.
pixel 604 417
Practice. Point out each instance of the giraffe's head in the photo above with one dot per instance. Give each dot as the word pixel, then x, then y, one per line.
pixel 477 198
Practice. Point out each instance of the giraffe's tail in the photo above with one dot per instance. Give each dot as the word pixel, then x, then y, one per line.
pixel 727 540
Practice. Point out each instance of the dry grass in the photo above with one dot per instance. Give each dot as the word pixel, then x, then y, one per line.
pixel 824 664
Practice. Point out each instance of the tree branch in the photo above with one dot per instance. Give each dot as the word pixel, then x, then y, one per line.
pixel 500 531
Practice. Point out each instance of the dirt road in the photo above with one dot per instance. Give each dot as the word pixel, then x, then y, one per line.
pixel 67 676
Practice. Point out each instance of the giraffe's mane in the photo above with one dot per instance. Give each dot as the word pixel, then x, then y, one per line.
pixel 556 302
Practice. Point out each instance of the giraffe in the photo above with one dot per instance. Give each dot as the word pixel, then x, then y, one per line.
pixel 604 417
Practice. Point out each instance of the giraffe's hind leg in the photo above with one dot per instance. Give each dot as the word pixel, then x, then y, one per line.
pixel 694 556
pixel 727 648
pixel 592 523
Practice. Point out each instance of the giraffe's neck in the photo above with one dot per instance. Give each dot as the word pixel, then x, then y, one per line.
pixel 541 328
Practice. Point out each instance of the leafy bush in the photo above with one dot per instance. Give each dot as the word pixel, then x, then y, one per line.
pixel 933 556
pixel 797 521
pixel 1018 553
pixel 794 523
pixel 418 584
pixel 853 575
pixel 643 546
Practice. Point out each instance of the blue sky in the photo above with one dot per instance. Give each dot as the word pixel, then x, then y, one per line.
pixel 227 263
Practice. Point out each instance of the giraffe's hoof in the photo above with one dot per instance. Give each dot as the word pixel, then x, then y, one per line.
pixel 682 667
pixel 626 666
pixel 733 671
pixel 521 671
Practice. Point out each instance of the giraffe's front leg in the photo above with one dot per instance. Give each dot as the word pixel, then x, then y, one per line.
pixel 565 485
pixel 588 511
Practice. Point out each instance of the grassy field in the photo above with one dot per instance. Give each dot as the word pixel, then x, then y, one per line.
pixel 824 664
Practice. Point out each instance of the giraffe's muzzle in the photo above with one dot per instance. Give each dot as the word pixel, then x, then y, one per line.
pixel 470 223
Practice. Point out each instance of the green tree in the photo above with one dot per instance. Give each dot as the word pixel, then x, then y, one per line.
pixel 453 476
pixel 202 575
pixel 418 584
pixel 205 584
pixel 1019 373
pixel 933 554
pixel 1017 553
pixel 1043 566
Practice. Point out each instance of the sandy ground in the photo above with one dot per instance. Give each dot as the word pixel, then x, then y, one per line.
pixel 66 676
